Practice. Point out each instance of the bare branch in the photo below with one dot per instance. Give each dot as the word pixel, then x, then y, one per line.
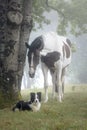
pixel 56 9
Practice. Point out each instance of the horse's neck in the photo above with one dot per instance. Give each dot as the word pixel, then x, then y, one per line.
pixel 52 43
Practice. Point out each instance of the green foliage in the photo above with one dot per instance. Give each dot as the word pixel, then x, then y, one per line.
pixel 73 47
pixel 72 14
pixel 7 94
pixel 6 103
pixel 39 7
pixel 7 99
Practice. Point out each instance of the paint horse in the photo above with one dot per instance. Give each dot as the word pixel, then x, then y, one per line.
pixel 54 54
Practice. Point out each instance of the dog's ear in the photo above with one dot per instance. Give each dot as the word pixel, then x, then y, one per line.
pixel 32 97
pixel 39 96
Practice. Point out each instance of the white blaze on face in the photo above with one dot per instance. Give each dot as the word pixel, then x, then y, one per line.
pixel 32 60
pixel 31 69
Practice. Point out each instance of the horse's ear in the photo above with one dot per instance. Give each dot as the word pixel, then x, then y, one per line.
pixel 27 45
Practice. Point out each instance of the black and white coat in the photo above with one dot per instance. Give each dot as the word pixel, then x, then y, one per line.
pixel 54 52
pixel 33 105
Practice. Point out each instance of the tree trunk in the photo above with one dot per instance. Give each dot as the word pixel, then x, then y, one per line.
pixel 15 27
pixel 24 37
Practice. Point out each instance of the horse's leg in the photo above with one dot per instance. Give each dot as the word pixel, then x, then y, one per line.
pixel 53 83
pixel 58 78
pixel 45 74
pixel 63 80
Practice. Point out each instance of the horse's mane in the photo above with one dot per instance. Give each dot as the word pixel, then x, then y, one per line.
pixel 37 44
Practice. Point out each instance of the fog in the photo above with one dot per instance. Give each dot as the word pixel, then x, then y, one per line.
pixel 77 71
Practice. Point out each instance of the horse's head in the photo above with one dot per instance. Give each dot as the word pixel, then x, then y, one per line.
pixel 33 59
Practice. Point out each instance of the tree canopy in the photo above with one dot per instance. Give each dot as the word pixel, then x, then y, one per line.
pixel 72 15
pixel 38 9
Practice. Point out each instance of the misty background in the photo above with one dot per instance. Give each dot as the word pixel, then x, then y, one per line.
pixel 77 71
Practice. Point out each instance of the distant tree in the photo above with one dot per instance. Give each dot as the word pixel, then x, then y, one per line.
pixel 38 9
pixel 72 14
pixel 15 27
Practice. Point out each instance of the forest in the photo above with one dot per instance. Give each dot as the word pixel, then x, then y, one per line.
pixel 18 19
pixel 21 21
pixel 78 35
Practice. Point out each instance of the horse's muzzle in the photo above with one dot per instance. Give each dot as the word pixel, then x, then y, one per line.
pixel 31 72
pixel 31 75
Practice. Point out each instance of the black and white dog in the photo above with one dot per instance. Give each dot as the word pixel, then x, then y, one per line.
pixel 33 105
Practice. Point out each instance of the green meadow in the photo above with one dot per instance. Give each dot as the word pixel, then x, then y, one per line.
pixel 71 114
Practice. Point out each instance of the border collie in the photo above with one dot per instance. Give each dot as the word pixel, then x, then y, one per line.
pixel 33 105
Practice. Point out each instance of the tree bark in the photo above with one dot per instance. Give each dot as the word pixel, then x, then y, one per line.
pixel 15 27
pixel 24 37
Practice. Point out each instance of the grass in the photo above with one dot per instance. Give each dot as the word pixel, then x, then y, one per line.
pixel 69 115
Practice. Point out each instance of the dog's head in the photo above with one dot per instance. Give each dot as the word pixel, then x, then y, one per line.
pixel 36 100
pixel 35 97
